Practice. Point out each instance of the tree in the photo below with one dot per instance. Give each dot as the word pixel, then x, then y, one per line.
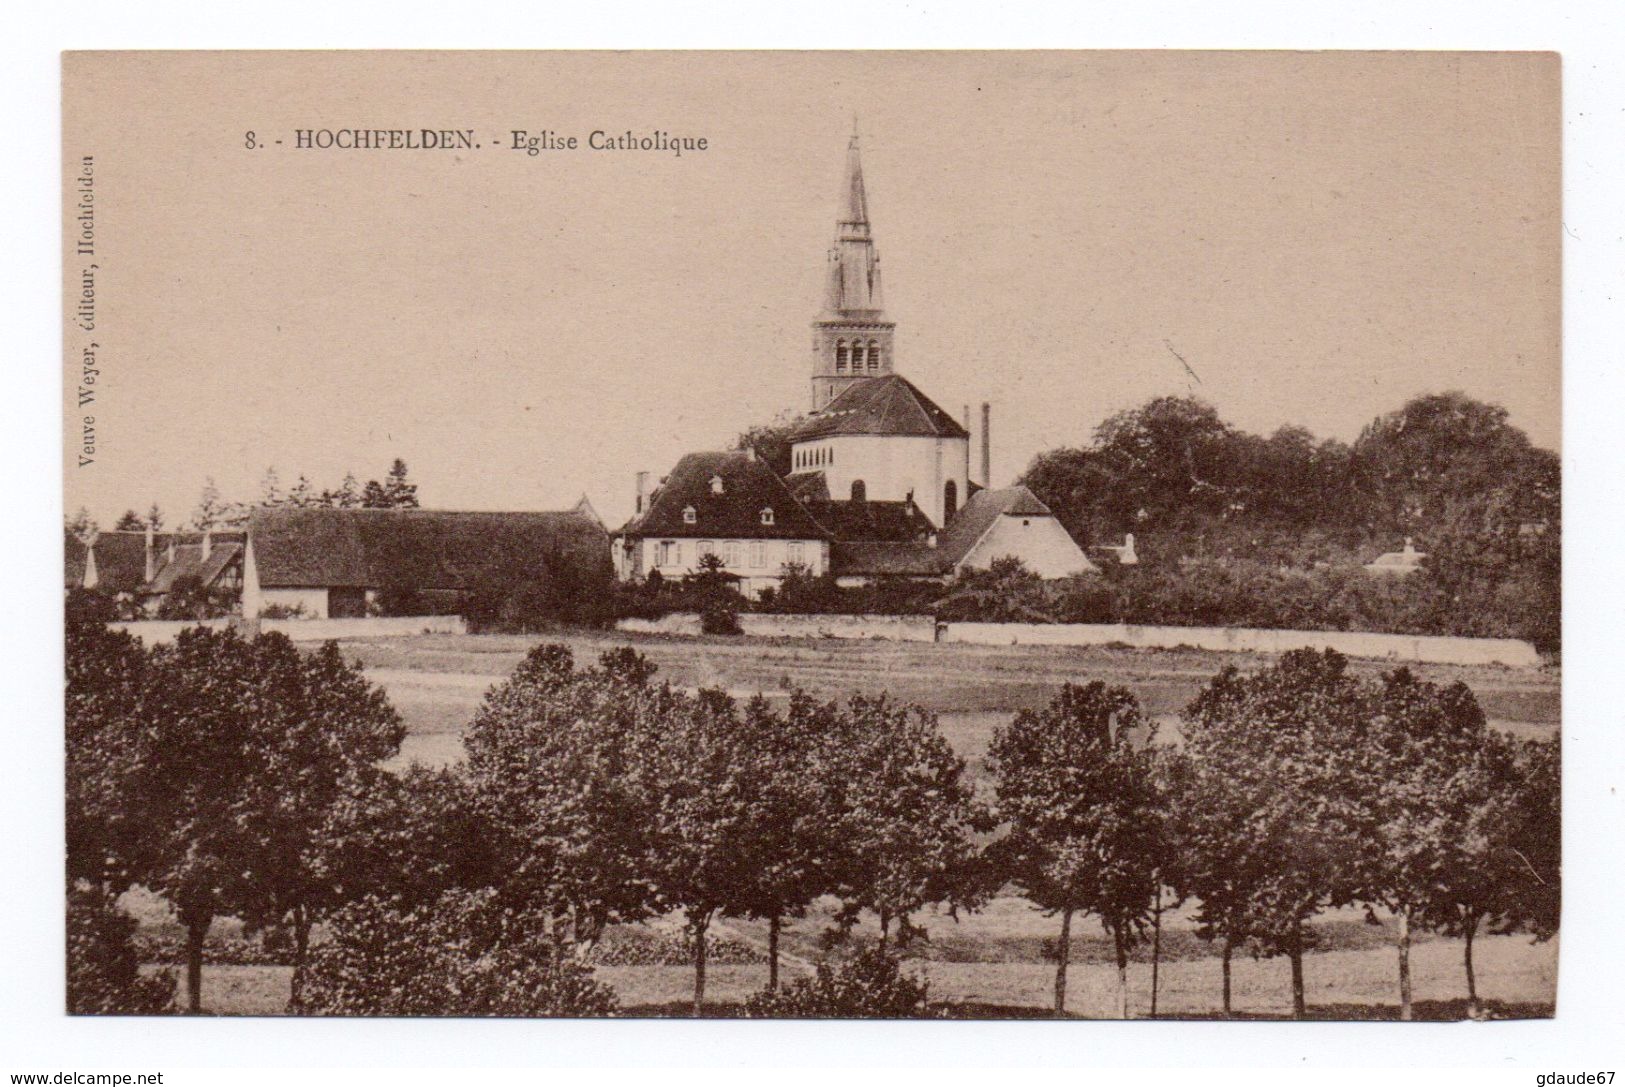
pixel 788 840
pixel 1499 867
pixel 210 510
pixel 555 764
pixel 1084 815
pixel 81 524
pixel 1408 795
pixel 900 815
pixel 1259 745
pixel 402 495
pixel 1215 858
pixel 303 495
pixel 323 730
pixel 104 970
pixel 129 521
pixel 374 497
pixel 771 441
pixel 271 489
pixel 107 676
pixel 155 517
pixel 708 786
pixel 244 744
pixel 347 496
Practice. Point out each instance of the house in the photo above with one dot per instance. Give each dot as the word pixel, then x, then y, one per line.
pixel 1397 563
pixel 336 563
pixel 728 504
pixel 143 569
pixel 880 479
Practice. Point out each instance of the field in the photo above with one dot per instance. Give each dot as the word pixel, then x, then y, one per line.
pixel 996 960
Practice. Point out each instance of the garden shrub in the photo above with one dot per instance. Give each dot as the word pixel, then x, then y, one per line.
pixel 459 956
pixel 871 985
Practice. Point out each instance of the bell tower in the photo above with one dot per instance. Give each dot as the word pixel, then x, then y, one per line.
pixel 851 337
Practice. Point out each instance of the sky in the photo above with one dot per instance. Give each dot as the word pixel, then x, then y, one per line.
pixel 1299 238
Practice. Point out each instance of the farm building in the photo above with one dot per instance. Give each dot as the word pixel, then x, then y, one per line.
pixel 144 568
pixel 338 563
pixel 880 481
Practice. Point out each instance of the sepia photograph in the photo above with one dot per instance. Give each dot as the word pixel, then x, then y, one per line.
pixel 527 555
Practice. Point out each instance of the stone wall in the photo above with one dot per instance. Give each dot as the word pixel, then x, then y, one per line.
pixel 156 631
pixel 1419 649
pixel 1397 647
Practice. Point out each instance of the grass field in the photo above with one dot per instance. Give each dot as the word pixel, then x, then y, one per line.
pixel 995 960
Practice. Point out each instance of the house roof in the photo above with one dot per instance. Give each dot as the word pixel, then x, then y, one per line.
pixel 189 562
pixel 121 558
pixel 980 511
pixel 954 543
pixel 878 559
pixel 748 486
pixel 420 549
pixel 878 521
pixel 807 486
pixel 888 405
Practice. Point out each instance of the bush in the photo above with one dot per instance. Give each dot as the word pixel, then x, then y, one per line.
pixel 283 611
pixel 460 955
pixel 104 970
pixel 719 618
pixel 870 986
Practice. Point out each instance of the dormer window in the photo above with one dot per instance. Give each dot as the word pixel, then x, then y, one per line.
pixel 689 516
pixel 767 515
pixel 716 484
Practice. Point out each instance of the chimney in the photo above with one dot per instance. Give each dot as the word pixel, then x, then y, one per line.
pixel 1127 557
pixel 643 492
pixel 91 578
pixel 987 445
pixel 151 569
pixel 970 440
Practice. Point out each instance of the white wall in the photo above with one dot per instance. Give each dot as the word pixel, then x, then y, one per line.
pixel 1040 542
pixel 392 626
pixel 1395 647
pixel 893 628
pixel 1398 647
pixel 757 574
pixel 892 467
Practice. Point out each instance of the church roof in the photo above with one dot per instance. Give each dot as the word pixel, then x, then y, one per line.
pixel 855 206
pixel 419 549
pixel 747 487
pixel 889 405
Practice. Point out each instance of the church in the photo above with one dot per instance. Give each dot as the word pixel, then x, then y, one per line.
pixel 879 482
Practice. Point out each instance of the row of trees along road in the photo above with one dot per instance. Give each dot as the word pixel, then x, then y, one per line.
pixel 242 777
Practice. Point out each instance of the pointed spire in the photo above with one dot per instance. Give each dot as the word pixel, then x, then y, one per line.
pixel 855 216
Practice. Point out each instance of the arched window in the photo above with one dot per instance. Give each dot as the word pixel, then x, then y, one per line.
pixel 874 357
pixel 840 356
pixel 950 500
pixel 860 492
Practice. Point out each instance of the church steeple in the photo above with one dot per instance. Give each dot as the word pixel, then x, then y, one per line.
pixel 851 338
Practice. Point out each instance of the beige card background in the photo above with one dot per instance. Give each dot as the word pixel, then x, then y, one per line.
pixel 1320 235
